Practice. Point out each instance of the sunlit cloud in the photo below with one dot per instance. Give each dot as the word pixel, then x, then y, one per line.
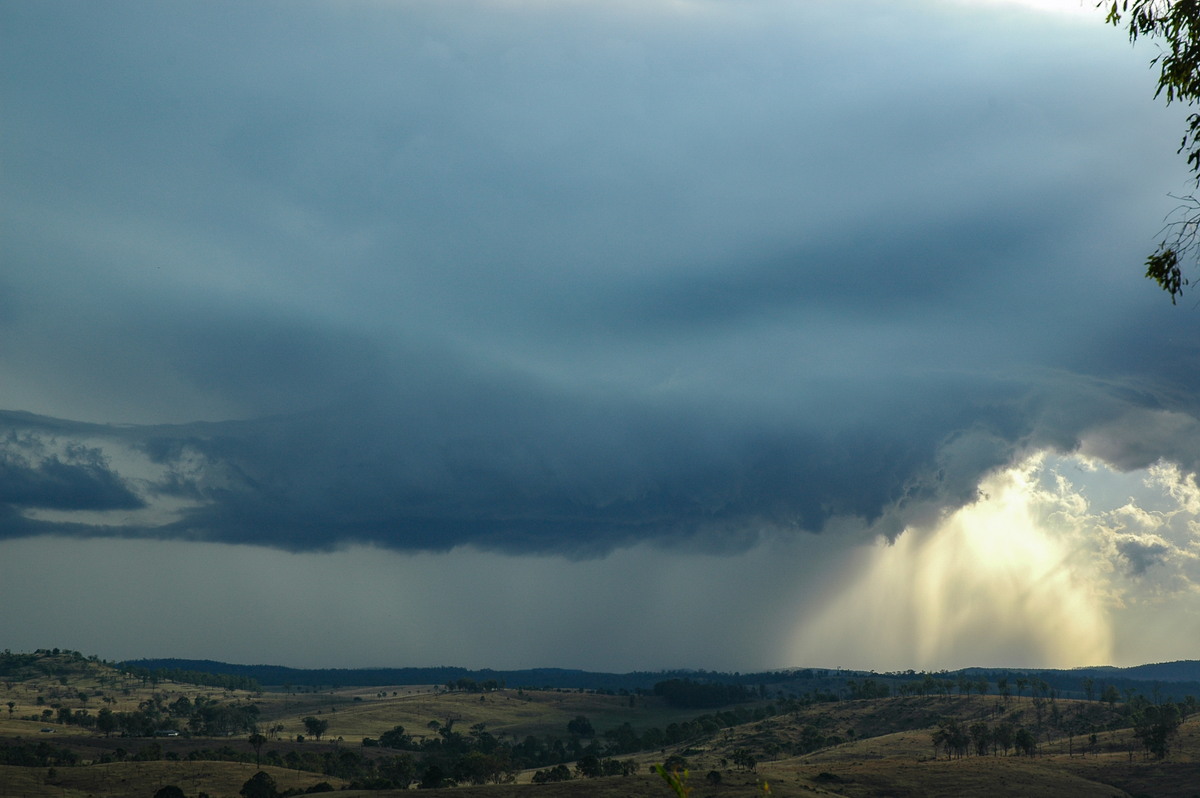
pixel 1051 566
pixel 1072 7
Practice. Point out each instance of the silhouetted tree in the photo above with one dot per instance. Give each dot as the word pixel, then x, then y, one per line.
pixel 953 737
pixel 260 785
pixel 1002 736
pixel 981 736
pixel 581 727
pixel 395 738
pixel 1156 725
pixel 257 741
pixel 1175 27
pixel 315 726
pixel 1025 742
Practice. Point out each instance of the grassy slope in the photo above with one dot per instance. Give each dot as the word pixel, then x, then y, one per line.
pixel 504 712
pixel 887 748
pixel 142 779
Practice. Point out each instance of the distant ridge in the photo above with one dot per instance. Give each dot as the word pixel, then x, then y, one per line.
pixel 277 675
pixel 1167 678
pixel 1184 670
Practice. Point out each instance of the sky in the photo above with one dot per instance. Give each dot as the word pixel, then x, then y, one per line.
pixel 723 334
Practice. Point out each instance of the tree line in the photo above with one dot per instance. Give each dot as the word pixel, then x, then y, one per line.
pixel 202 716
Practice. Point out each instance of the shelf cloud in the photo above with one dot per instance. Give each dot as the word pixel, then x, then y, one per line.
pixel 568 281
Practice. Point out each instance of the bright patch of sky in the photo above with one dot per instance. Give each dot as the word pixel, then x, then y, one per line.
pixel 1057 563
pixel 1073 7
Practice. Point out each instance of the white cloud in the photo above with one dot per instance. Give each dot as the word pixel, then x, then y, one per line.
pixel 1058 7
pixel 1041 571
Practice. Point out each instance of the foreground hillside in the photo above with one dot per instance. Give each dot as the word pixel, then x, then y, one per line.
pixel 74 727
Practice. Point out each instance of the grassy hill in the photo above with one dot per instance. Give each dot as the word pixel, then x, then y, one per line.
pixel 52 743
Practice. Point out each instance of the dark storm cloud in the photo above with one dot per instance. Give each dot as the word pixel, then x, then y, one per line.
pixel 62 485
pixel 502 466
pixel 561 278
pixel 35 473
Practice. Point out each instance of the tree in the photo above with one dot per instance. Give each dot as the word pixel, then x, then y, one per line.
pixel 556 773
pixel 433 778
pixel 744 759
pixel 106 721
pixel 169 791
pixel 1111 695
pixel 1156 726
pixel 981 736
pixel 315 726
pixel 581 727
pixel 1175 26
pixel 589 767
pixel 257 741
pixel 1025 742
pixel 1002 736
pixel 951 735
pixel 260 785
pixel 396 738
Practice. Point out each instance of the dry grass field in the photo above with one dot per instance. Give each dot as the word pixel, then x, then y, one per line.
pixel 879 747
pixel 511 713
pixel 143 779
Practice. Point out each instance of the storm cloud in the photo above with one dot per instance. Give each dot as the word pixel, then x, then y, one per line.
pixel 565 280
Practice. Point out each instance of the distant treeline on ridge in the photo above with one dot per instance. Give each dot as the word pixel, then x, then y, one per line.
pixel 278 675
pixel 698 687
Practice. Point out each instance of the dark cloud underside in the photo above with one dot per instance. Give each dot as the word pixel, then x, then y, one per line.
pixel 563 278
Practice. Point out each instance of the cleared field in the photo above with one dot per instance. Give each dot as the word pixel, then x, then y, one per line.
pixel 360 713
pixel 143 779
pixel 854 749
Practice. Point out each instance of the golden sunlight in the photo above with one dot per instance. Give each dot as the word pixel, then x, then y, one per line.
pixel 995 583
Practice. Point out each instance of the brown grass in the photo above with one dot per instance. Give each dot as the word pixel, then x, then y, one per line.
pixel 886 750
pixel 143 779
